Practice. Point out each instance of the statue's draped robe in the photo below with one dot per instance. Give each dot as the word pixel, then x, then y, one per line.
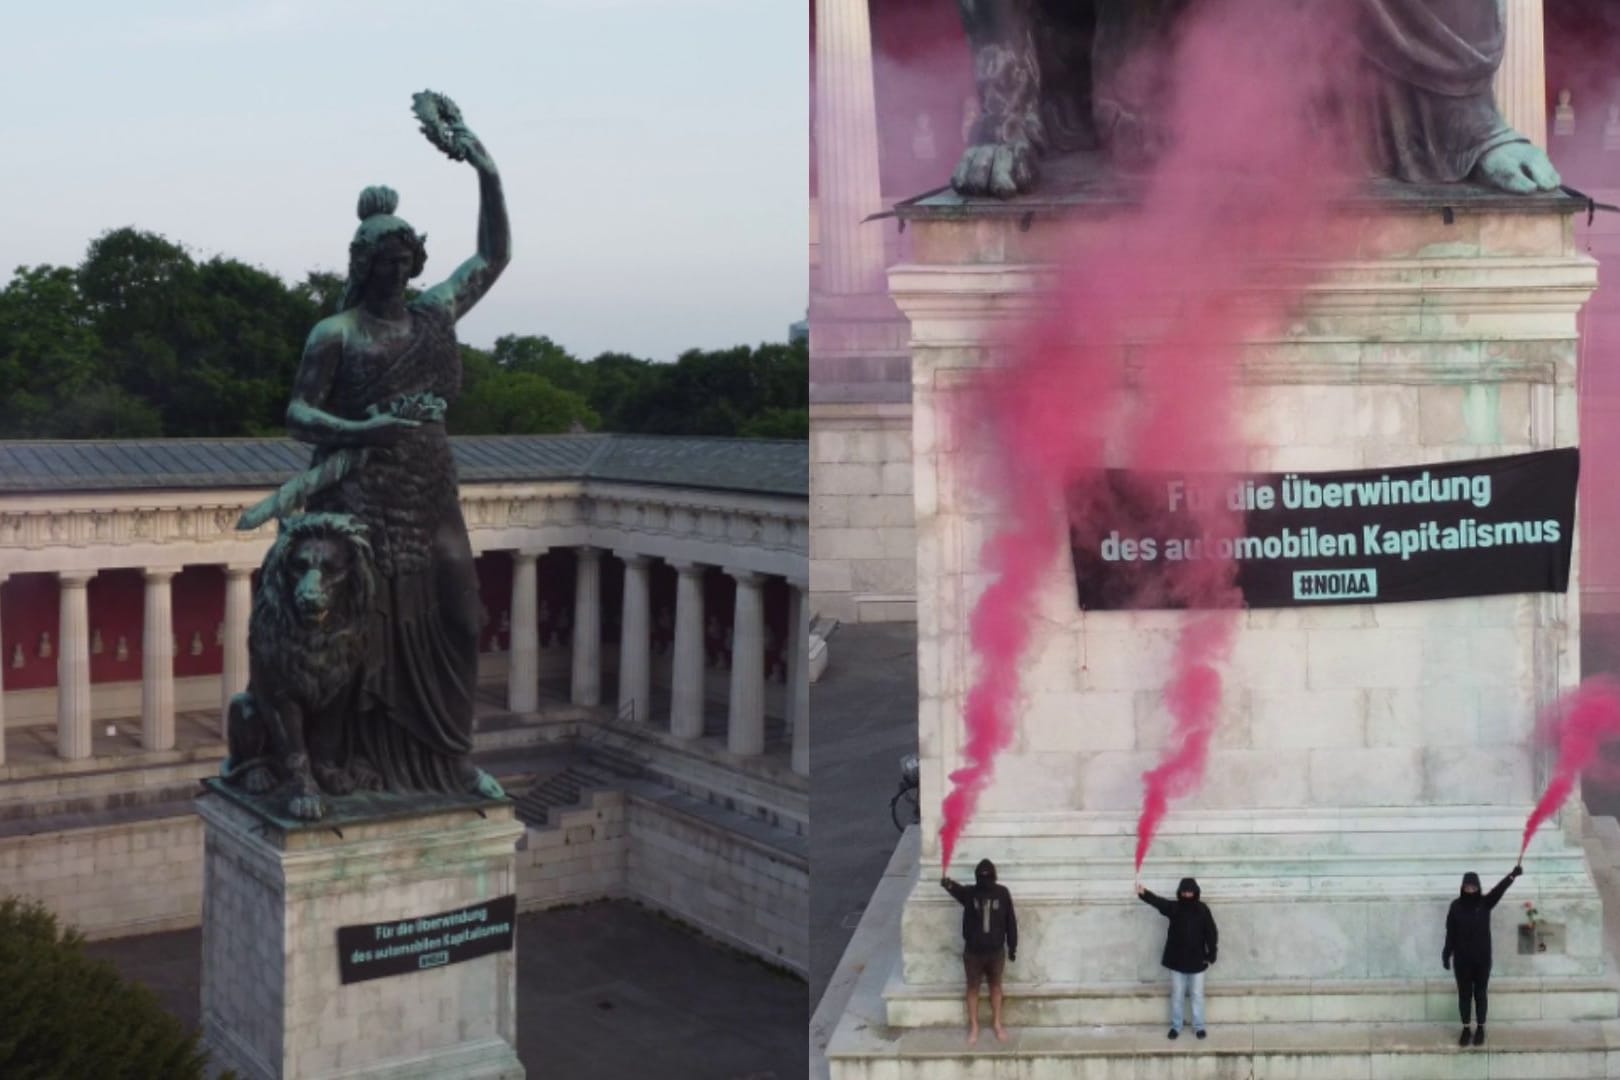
pixel 1429 118
pixel 1435 115
pixel 414 705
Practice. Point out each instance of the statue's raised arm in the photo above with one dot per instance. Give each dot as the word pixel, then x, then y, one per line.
pixel 442 123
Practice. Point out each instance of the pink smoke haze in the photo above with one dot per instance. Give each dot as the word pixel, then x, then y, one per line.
pixel 1173 284
pixel 1578 724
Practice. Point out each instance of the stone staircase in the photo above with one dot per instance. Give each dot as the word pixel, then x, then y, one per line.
pixel 1353 896
pixel 566 789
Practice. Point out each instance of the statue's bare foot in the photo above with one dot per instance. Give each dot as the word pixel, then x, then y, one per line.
pixel 306 806
pixel 1134 142
pixel 257 780
pixel 333 780
pixel 999 169
pixel 364 777
pixel 1518 167
pixel 973 1036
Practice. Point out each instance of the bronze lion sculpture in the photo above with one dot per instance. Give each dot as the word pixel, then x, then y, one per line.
pixel 306 644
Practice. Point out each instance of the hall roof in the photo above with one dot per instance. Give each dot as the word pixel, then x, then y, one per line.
pixel 753 466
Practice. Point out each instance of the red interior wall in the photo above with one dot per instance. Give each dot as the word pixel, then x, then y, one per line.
pixel 28 608
pixel 117 601
pixel 199 611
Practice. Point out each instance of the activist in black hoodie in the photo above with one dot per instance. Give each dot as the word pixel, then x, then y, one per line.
pixel 1468 947
pixel 1189 949
pixel 989 940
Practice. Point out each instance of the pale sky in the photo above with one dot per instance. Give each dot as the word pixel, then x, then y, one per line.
pixel 654 152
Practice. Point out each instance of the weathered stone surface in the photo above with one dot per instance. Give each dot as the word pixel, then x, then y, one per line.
pixel 274 1005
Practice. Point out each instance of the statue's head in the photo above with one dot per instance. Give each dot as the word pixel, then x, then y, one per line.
pixel 386 252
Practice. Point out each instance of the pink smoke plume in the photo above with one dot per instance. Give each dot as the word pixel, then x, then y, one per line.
pixel 1578 724
pixel 1175 284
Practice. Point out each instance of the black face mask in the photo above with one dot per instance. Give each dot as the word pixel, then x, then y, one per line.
pixel 984 875
pixel 1470 879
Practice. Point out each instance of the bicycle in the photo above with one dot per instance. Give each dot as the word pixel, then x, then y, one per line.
pixel 904 808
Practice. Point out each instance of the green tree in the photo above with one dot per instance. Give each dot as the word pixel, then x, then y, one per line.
pixel 144 339
pixel 520 403
pixel 65 1015
pixel 49 350
pixel 778 424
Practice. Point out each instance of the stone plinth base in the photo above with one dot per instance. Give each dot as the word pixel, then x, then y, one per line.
pixel 274 896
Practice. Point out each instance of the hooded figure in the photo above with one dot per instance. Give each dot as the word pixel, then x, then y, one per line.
pixel 1189 947
pixel 1468 947
pixel 989 939
pixel 988 922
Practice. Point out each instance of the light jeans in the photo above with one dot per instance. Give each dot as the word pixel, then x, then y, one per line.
pixel 1180 984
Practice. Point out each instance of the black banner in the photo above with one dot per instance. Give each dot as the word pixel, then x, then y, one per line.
pixel 1428 532
pixel 431 941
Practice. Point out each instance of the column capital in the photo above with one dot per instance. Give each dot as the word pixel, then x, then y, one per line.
pixel 529 552
pixel 686 566
pixel 745 577
pixel 588 554
pixel 75 579
pixel 633 558
pixel 160 573
pixel 800 583
pixel 240 570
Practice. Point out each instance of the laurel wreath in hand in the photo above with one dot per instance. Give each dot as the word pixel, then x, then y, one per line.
pixel 442 123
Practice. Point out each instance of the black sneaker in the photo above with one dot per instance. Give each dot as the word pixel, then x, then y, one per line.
pixel 1202 1033
pixel 1479 1035
pixel 1466 1037
pixel 1175 1033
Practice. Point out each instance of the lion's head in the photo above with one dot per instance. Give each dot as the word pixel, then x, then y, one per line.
pixel 321 568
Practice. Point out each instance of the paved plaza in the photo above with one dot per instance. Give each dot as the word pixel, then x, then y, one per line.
pixel 865 709
pixel 605 991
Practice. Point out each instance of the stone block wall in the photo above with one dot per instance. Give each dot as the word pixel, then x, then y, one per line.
pixel 582 856
pixel 739 891
pixel 1366 754
pixel 863 565
pixel 273 1001
pixel 1438 343
pixel 114 880
pixel 147 876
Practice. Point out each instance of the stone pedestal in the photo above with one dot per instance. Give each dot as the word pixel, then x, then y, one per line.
pixel 274 897
pixel 1367 755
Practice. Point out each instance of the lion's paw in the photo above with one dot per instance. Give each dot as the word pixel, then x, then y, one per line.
pixel 999 169
pixel 306 806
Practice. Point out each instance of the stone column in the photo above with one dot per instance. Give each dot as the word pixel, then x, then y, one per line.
pixel 238 610
pixel 73 666
pixel 2 686
pixel 686 676
pixel 587 675
pixel 798 675
pixel 523 656
pixel 1521 81
pixel 745 732
pixel 635 626
pixel 157 661
pixel 847 184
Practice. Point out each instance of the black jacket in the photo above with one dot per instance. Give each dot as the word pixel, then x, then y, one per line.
pixel 988 921
pixel 1468 923
pixel 1189 947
